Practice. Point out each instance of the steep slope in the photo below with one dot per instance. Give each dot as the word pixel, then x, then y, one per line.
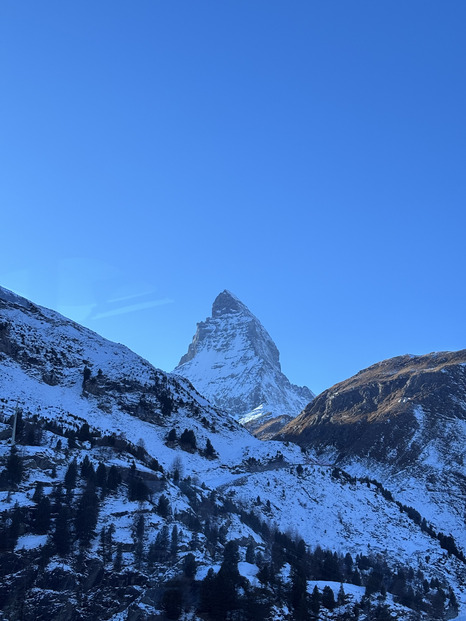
pixel 83 397
pixel 403 421
pixel 233 361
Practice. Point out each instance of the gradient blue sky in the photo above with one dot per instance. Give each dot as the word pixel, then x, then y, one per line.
pixel 309 156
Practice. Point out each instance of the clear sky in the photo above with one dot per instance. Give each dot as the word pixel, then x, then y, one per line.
pixel 309 156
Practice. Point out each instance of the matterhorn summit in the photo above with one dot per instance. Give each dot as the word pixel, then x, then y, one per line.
pixel 234 362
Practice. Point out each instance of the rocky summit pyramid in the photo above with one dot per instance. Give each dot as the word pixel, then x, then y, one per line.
pixel 234 362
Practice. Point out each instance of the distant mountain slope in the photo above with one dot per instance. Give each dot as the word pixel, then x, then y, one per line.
pixel 404 420
pixel 234 362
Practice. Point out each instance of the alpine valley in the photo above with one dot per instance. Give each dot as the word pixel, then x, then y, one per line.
pixel 128 493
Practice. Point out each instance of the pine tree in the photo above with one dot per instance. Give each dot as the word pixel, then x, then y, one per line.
pixel 38 492
pixel 86 514
pixel 209 449
pixel 101 475
pixel 158 550
pixel 137 489
pixel 250 554
pixel 84 433
pixel 314 603
pixel 14 467
pixel 113 478
pixel 298 595
pixel 172 602
pixel 61 536
pixel 172 436
pixel 328 598
pixel 42 516
pixel 86 376
pixel 189 565
pixel 188 440
pixel 341 597
pixel 163 506
pixel 71 476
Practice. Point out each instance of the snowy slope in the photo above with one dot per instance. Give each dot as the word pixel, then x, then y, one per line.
pixel 403 422
pixel 43 362
pixel 233 361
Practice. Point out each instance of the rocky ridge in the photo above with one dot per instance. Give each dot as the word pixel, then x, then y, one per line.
pixel 88 401
pixel 234 362
pixel 405 420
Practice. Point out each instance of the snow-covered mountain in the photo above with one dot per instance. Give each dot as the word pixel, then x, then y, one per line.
pixel 403 421
pixel 187 482
pixel 234 362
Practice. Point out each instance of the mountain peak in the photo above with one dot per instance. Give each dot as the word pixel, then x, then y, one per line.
pixel 226 303
pixel 234 362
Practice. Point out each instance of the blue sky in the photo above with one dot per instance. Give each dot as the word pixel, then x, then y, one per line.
pixel 308 156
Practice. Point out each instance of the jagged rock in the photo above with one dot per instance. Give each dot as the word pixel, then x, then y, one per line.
pixel 234 362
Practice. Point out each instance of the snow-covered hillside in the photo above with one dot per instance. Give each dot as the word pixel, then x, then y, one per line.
pixel 233 361
pixel 216 477
pixel 403 422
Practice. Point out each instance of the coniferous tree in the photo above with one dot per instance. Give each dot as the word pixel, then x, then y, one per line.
pixel 314 603
pixel 172 436
pixel 158 550
pixel 356 578
pixel 172 602
pixel 189 565
pixel 42 515
pixel 137 489
pixel 61 536
pixel 38 491
pixel 71 435
pixel 250 554
pixel 163 506
pixel 86 514
pixel 19 432
pixel 15 519
pixel 188 440
pixel 86 376
pixel 71 476
pixel 208 592
pixel 452 601
pixel 101 475
pixel 328 598
pixel 86 466
pixel 298 595
pixel 113 478
pixel 341 597
pixel 374 583
pixel 14 467
pixel 226 582
pixel 209 449
pixel 84 433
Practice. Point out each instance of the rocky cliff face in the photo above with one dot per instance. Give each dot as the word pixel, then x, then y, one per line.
pixel 404 419
pixel 233 361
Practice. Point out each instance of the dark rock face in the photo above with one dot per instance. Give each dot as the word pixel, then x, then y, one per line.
pixel 226 303
pixel 374 412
